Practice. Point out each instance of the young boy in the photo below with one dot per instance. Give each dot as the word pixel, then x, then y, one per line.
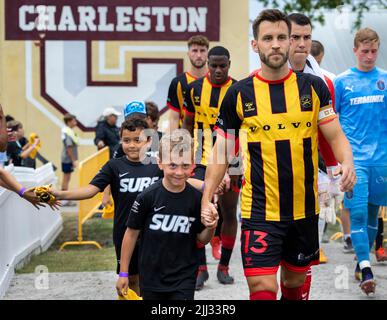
pixel 127 176
pixel 168 216
pixel 69 157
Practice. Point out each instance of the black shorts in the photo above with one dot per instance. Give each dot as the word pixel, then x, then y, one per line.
pixel 269 244
pixel 181 294
pixel 133 265
pixel 67 167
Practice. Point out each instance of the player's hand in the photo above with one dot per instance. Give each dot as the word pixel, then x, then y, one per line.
pixel 100 144
pixel 348 176
pixel 30 196
pixel 122 286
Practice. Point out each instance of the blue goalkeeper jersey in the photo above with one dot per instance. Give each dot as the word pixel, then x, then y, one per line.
pixel 362 106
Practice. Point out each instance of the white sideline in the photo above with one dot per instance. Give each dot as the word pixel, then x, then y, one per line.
pixel 25 231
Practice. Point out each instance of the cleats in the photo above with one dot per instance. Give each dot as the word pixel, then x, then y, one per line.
pixel 323 258
pixel 215 244
pixel 201 277
pixel 381 255
pixel 368 283
pixel 348 247
pixel 223 275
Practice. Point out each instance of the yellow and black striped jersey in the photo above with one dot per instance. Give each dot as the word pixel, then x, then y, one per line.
pixel 202 101
pixel 276 123
pixel 176 93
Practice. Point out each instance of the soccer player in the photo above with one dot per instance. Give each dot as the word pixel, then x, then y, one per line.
pixel 127 177
pixel 197 54
pixel 318 52
pixel 168 216
pixel 275 114
pixel 300 60
pixel 361 102
pixel 202 102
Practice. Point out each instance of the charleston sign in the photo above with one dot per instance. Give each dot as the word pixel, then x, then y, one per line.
pixel 111 20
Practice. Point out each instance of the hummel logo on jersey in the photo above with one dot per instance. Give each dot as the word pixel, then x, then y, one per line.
pixel 136 184
pixel 171 223
pixel 350 88
pixel 123 174
pixel 158 209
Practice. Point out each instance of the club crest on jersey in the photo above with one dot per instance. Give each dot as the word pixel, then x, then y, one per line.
pixel 249 109
pixel 306 101
pixel 381 85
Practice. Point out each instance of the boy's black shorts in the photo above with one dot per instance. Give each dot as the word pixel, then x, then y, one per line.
pixel 268 244
pixel 133 265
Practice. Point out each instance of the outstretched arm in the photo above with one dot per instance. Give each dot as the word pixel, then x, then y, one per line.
pixel 83 193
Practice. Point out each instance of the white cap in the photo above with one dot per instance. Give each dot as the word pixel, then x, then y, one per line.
pixel 110 111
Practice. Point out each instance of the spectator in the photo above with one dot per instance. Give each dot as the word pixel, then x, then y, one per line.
pixel 107 132
pixel 69 157
pixel 18 148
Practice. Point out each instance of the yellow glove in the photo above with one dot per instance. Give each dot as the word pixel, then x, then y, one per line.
pixel 44 194
pixel 130 295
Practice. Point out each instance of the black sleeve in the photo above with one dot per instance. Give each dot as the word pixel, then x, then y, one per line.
pixel 172 100
pixel 188 104
pixel 104 177
pixel 138 213
pixel 99 133
pixel 228 118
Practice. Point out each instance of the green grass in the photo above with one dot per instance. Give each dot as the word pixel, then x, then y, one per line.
pixel 78 258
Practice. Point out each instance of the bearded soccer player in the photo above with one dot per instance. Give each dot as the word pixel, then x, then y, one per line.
pixel 202 104
pixel 277 133
pixel 300 60
pixel 197 54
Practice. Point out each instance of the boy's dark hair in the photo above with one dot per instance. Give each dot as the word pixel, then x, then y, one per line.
pixel 68 117
pixel 219 51
pixel 271 15
pixel 152 110
pixel 198 40
pixel 317 48
pixel 133 123
pixel 9 118
pixel 14 125
pixel 300 19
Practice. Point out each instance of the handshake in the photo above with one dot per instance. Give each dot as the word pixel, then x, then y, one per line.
pixel 209 215
pixel 40 196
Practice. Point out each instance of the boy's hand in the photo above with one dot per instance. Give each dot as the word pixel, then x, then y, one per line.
pixel 106 201
pixel 209 215
pixel 122 286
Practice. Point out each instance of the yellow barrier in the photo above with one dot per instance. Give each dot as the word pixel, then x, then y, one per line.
pixel 88 168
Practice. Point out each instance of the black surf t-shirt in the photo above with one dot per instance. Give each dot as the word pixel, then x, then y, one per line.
pixel 127 179
pixel 169 224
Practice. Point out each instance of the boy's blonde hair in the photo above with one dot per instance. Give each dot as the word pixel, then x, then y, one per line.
pixel 365 35
pixel 179 142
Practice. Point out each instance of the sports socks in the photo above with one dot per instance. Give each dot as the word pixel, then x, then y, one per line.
pixel 379 235
pixel 363 230
pixel 263 295
pixel 227 247
pixel 291 293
